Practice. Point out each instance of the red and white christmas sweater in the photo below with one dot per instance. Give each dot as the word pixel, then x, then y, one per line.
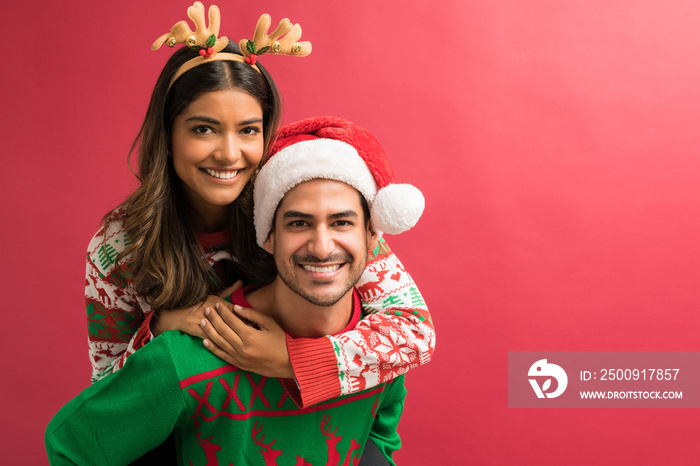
pixel 395 335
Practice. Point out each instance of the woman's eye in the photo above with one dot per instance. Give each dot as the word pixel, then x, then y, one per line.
pixel 251 130
pixel 202 129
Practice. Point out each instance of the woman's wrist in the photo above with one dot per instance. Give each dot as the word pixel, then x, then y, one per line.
pixel 164 320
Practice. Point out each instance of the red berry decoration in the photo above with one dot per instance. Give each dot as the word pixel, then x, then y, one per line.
pixel 253 58
pixel 202 52
pixel 210 52
pixel 248 60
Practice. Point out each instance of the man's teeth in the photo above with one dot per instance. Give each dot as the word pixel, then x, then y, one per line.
pixel 330 268
pixel 227 175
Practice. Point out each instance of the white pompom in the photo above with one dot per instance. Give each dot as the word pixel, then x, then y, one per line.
pixel 397 208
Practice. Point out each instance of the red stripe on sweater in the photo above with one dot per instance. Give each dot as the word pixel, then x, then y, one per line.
pixel 207 375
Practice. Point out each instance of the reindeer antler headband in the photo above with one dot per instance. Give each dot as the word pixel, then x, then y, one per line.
pixel 282 41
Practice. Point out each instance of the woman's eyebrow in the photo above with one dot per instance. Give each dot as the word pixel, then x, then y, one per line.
pixel 251 121
pixel 205 119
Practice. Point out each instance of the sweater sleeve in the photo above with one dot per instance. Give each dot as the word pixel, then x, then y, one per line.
pixel 115 313
pixel 384 432
pixel 113 421
pixel 396 335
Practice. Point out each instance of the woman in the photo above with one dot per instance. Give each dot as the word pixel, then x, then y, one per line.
pixel 173 249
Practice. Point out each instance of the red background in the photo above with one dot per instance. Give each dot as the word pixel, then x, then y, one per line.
pixel 556 144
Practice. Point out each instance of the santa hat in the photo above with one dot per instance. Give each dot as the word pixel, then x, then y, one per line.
pixel 335 149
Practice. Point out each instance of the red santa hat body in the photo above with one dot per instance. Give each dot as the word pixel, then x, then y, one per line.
pixel 335 149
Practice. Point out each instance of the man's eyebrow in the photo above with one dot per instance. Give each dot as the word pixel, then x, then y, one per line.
pixel 296 214
pixel 344 214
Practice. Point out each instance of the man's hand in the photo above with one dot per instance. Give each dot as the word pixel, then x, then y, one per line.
pixel 248 340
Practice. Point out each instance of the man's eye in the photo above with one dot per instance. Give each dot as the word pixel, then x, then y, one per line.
pixel 343 223
pixel 297 223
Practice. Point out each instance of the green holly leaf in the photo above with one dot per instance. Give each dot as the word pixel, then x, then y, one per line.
pixel 250 46
pixel 194 48
pixel 262 50
pixel 211 40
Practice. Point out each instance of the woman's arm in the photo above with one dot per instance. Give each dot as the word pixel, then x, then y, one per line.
pixel 114 312
pixel 396 335
pixel 120 321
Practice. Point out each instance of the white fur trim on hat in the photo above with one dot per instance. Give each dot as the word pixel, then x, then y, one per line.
pixel 304 161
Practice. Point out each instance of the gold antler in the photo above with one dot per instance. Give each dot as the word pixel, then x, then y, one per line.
pixel 202 38
pixel 282 41
pixel 275 43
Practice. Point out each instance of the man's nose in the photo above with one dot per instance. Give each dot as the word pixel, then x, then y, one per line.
pixel 321 244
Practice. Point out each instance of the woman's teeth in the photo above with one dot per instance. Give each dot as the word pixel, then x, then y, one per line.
pixel 227 175
pixel 330 268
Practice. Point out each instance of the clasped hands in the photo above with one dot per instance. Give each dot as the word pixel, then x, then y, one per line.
pixel 240 336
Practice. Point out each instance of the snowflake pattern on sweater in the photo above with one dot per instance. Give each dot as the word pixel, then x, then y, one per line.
pixel 396 335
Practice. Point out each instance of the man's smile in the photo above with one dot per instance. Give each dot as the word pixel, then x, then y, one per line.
pixel 326 269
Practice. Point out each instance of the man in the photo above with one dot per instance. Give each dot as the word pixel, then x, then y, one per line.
pixel 318 230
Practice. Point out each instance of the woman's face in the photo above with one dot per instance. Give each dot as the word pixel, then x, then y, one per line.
pixel 217 143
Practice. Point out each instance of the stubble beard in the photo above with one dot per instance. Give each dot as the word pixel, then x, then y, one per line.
pixel 289 276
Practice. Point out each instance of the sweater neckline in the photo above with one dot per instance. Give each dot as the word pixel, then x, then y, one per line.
pixel 238 296
pixel 211 240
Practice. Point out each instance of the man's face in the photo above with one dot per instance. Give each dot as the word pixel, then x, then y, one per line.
pixel 320 240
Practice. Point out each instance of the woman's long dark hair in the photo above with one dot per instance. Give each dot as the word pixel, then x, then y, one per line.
pixel 167 264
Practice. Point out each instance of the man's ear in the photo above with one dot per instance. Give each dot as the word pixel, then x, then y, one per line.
pixel 269 244
pixel 371 237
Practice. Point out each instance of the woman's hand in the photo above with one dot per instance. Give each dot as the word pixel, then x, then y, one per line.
pixel 248 340
pixel 188 319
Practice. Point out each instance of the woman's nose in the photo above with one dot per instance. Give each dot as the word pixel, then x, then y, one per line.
pixel 228 150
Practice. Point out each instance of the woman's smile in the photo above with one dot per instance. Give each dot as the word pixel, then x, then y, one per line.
pixel 221 174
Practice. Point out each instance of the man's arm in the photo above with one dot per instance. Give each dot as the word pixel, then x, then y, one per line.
pixel 119 418
pixel 384 434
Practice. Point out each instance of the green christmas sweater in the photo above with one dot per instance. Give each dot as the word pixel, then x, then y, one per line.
pixel 219 413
